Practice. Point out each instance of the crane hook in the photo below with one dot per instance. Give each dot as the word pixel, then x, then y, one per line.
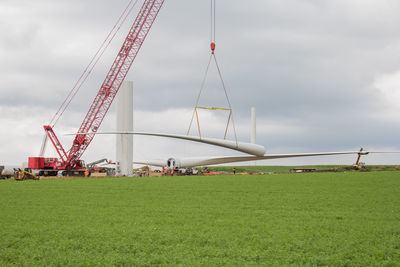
pixel 212 47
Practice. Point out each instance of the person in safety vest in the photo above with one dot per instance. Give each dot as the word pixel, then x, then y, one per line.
pixel 165 170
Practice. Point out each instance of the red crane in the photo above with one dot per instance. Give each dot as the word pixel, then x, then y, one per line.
pixel 71 160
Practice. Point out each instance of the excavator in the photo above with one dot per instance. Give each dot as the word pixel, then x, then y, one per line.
pixel 25 174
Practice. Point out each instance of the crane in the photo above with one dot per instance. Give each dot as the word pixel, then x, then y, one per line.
pixel 70 160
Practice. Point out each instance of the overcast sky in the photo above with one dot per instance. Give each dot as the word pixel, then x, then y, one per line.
pixel 322 74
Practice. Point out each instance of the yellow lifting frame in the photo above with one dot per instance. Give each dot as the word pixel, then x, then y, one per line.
pixel 213 108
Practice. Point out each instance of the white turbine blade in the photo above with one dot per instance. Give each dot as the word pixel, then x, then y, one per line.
pixel 221 160
pixel 157 163
pixel 248 148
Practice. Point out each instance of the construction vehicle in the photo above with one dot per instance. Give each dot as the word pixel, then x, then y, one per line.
pixel 94 163
pixel 358 165
pixel 5 173
pixel 188 171
pixel 69 160
pixel 25 174
pixel 142 171
pixel 95 170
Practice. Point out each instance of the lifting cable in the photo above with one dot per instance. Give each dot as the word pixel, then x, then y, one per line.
pixel 93 62
pixel 212 56
pixel 213 22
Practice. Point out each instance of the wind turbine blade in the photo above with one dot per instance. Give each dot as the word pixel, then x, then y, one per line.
pixel 221 160
pixel 157 163
pixel 248 148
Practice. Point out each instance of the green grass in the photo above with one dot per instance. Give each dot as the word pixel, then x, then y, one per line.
pixel 317 219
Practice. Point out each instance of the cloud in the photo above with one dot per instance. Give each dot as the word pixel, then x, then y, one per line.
pixel 322 74
pixel 389 87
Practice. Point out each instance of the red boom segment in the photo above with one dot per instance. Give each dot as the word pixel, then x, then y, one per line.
pixel 110 86
pixel 56 143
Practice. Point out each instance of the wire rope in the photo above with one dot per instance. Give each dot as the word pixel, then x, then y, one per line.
pixel 93 62
pixel 212 56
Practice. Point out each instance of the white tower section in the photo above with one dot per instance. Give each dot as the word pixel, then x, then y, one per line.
pixel 253 126
pixel 125 124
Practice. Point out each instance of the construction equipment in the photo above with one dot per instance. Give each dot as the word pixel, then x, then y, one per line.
pixel 5 173
pixel 359 165
pixel 69 160
pixel 189 171
pixel 26 174
pixel 143 171
pixel 94 163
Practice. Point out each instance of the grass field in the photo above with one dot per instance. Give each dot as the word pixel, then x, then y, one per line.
pixel 317 219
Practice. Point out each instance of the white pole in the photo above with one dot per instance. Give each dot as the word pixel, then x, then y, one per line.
pixel 253 126
pixel 125 124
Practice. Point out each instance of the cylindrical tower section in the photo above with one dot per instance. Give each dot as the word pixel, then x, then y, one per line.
pixel 253 126
pixel 125 124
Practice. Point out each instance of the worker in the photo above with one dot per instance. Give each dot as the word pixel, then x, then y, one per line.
pixel 87 172
pixel 172 172
pixel 234 170
pixel 165 170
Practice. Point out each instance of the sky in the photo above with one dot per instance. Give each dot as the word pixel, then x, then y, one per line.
pixel 323 76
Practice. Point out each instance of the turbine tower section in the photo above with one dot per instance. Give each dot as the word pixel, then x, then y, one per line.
pixel 125 124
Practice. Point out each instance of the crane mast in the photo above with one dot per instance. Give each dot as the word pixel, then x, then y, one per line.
pixel 109 88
